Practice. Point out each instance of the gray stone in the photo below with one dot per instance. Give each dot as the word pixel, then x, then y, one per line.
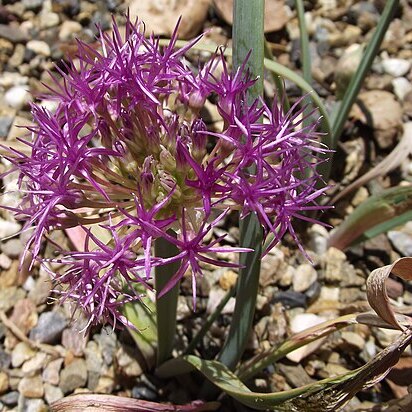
pixel 52 393
pixel 5 124
pixel 143 392
pixel 401 241
pixel 5 360
pixel 94 359
pixel 73 376
pixel 12 33
pixel 107 344
pixel 291 299
pixel 49 328
pixel 31 405
pixel 10 398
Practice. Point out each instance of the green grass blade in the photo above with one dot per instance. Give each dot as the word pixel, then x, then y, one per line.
pixel 305 55
pixel 209 321
pixel 341 115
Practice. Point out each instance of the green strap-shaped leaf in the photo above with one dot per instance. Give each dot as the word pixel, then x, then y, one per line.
pixel 325 395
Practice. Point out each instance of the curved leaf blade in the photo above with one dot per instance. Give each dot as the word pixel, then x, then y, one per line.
pixel 378 214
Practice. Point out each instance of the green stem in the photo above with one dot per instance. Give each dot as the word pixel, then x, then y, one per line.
pixel 209 321
pixel 247 36
pixel 304 43
pixel 246 294
pixel 305 57
pixel 355 84
pixel 166 306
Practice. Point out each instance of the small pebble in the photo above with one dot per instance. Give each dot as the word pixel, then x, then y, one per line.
pixel 31 387
pixel 8 228
pixel 143 392
pixel 13 247
pixel 69 30
pixel 401 87
pixel 396 67
pixel 304 277
pixel 32 4
pixel 49 19
pixel 4 382
pixel 39 47
pixel 353 340
pixel 10 398
pixel 32 405
pixel 12 33
pixel 52 393
pixel 17 97
pixel 51 373
pixel 73 376
pixel 49 328
pixel 21 353
pixel 291 299
pixel 401 241
pixel 34 364
pixel 74 341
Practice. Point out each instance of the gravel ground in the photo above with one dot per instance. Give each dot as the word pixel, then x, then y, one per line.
pixel 43 357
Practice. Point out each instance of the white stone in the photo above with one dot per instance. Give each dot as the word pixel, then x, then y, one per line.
pixel 8 228
pixel 396 67
pixel 49 19
pixel 299 323
pixel 50 105
pixel 17 97
pixel 401 87
pixel 9 79
pixel 304 277
pixel 39 47
pixel 69 29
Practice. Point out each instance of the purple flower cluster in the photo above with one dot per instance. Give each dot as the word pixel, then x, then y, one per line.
pixel 127 154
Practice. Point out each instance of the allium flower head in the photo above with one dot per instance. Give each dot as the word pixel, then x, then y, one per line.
pixel 127 152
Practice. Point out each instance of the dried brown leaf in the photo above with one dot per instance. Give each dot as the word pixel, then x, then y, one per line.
pixel 377 294
pixel 97 403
